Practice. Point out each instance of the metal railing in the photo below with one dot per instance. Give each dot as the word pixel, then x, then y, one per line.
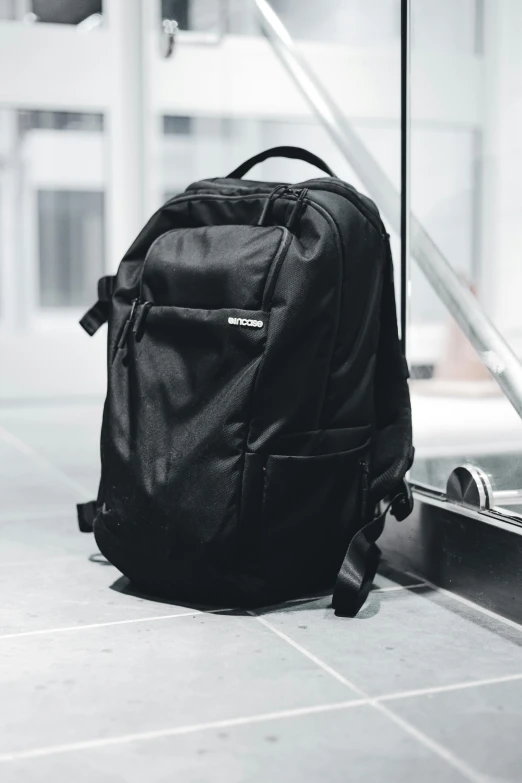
pixel 493 350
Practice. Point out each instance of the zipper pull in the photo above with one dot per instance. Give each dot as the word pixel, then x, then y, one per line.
pixel 298 209
pixel 139 321
pixel 365 488
pixel 274 193
pixel 128 324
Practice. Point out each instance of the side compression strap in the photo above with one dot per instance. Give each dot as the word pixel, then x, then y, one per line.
pixel 358 570
pixel 99 313
pixel 361 561
pixel 86 514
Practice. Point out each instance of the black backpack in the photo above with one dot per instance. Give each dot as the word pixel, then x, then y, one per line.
pixel 257 410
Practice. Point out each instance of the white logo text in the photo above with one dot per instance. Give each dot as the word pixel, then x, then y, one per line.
pixel 245 322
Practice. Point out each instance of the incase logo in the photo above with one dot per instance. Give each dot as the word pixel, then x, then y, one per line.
pixel 245 322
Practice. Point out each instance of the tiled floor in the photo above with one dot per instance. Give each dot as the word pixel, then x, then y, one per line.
pixel 98 684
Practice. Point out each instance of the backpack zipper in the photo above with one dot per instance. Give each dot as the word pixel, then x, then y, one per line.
pixel 128 323
pixel 275 266
pixel 343 189
pixel 139 321
pixel 365 488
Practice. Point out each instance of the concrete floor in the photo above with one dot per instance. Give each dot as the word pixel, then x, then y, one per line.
pixel 99 684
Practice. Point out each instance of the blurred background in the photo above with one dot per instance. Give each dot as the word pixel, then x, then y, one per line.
pixel 98 127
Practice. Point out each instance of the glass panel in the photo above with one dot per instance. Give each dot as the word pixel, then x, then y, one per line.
pixel 347 22
pixel 199 147
pixel 71 244
pixel 466 158
pixel 341 21
pixel 353 50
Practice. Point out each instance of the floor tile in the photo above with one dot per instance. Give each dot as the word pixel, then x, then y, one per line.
pixel 356 744
pixel 141 677
pixel 404 639
pixel 38 537
pixel 390 577
pixel 483 725
pixel 68 436
pixel 28 486
pixel 73 591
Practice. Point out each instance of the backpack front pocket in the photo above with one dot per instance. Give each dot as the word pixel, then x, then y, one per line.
pixel 177 454
pixel 185 357
pixel 308 502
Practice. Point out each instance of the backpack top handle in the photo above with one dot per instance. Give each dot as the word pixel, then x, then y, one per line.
pixel 281 152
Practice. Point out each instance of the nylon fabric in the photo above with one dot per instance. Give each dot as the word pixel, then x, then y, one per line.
pixel 257 404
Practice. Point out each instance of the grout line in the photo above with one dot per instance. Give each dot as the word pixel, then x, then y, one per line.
pixel 310 598
pixel 13 440
pixel 456 686
pixel 277 715
pixel 413 586
pixel 66 629
pixel 454 761
pixel 450 758
pixel 180 730
pixel 471 604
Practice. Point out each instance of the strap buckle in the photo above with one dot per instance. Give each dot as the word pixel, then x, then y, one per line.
pixel 402 503
pixel 99 313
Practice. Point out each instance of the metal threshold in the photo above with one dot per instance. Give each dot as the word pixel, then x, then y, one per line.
pixel 476 555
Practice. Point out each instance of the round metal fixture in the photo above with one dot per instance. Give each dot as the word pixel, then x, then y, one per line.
pixel 470 486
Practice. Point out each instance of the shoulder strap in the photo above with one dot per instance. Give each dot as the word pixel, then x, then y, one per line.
pixel 390 459
pixel 392 450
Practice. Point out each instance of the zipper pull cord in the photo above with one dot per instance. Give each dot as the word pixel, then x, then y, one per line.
pixel 272 195
pixel 128 324
pixel 298 209
pixel 139 323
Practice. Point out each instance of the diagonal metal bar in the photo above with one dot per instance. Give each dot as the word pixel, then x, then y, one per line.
pixel 492 348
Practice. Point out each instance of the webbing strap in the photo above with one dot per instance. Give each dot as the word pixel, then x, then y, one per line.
pixel 99 313
pixel 362 557
pixel 86 514
pixel 358 570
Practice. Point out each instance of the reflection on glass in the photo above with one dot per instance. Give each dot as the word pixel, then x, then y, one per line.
pixel 466 157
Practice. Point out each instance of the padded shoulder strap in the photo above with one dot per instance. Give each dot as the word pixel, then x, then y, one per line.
pixel 392 450
pixel 391 457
